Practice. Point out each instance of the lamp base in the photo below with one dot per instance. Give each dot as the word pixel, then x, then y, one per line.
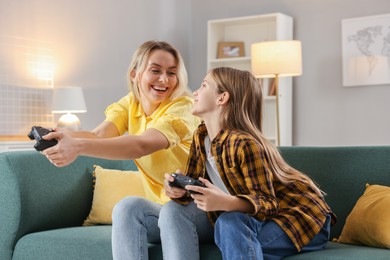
pixel 69 121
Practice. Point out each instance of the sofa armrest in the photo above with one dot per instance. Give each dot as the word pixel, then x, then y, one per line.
pixel 36 196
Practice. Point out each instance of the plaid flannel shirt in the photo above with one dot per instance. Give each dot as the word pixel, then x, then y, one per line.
pixel 245 171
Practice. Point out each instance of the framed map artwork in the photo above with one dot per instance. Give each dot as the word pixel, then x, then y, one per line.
pixel 366 50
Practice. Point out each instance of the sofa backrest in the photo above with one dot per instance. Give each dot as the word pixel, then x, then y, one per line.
pixel 35 195
pixel 342 172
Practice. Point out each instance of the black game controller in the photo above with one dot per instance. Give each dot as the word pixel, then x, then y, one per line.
pixel 36 133
pixel 181 181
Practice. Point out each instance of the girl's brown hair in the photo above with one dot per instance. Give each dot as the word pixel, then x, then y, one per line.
pixel 243 113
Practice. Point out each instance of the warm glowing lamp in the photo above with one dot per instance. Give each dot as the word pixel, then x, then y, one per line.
pixel 274 59
pixel 68 100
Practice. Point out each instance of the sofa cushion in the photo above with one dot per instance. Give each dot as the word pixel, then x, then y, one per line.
pixel 77 243
pixel 110 187
pixel 337 251
pixel 369 221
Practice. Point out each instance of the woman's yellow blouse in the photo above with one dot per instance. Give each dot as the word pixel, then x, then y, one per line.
pixel 174 120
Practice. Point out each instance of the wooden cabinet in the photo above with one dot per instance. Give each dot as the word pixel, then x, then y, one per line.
pixel 249 30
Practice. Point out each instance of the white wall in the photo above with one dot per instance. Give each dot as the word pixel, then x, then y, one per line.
pixel 93 42
pixel 325 113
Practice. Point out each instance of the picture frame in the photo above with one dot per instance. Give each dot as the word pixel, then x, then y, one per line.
pixel 230 50
pixel 366 50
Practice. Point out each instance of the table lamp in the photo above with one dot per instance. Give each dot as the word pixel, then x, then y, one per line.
pixel 274 59
pixel 68 100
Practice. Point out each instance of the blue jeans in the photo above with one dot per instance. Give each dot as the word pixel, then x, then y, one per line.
pixel 240 236
pixel 134 224
pixel 137 221
pixel 183 228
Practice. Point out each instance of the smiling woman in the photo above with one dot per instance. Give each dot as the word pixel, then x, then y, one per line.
pixel 156 114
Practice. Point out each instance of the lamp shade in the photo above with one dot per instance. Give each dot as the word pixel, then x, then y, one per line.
pixel 271 58
pixel 68 100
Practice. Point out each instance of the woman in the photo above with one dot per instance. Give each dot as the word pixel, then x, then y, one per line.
pixel 156 114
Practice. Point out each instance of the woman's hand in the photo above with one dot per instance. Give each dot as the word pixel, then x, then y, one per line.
pixel 172 192
pixel 63 153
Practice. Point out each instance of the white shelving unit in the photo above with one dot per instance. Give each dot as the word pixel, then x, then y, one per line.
pixel 9 146
pixel 253 29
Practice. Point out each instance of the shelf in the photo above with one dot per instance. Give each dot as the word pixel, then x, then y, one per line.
pixel 270 98
pixel 14 138
pixel 16 146
pixel 232 60
pixel 250 30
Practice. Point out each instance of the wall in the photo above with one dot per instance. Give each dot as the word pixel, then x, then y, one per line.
pixel 93 41
pixel 325 113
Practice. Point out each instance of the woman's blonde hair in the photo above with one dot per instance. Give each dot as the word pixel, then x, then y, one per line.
pixel 139 63
pixel 243 113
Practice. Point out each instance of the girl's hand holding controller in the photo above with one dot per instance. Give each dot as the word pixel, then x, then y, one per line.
pixel 172 192
pixel 210 197
pixel 182 181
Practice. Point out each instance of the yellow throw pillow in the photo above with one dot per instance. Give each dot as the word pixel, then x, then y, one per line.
pixel 369 221
pixel 110 187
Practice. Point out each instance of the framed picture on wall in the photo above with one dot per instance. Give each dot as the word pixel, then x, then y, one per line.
pixel 230 49
pixel 366 50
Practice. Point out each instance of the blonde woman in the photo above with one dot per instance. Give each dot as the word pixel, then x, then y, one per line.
pixel 259 206
pixel 156 114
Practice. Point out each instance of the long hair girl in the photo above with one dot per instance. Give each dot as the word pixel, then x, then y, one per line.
pixel 244 114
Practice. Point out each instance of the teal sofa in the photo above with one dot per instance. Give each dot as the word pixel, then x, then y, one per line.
pixel 42 207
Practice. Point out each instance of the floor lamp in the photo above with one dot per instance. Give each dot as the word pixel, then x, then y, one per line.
pixel 274 59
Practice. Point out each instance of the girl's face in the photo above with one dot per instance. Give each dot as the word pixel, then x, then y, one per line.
pixel 158 81
pixel 206 98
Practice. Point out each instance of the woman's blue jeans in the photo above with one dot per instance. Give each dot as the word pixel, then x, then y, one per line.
pixel 240 236
pixel 137 221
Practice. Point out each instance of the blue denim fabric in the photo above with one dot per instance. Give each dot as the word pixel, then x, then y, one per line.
pixel 183 227
pixel 137 221
pixel 240 236
pixel 134 224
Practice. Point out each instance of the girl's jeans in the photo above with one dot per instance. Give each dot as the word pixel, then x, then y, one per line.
pixel 240 236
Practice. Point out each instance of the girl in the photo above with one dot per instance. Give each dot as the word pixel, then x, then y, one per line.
pixel 261 207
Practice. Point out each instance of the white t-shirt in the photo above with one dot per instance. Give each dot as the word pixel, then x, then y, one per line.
pixel 211 167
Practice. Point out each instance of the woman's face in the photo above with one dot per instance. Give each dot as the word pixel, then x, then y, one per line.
pixel 206 98
pixel 158 81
